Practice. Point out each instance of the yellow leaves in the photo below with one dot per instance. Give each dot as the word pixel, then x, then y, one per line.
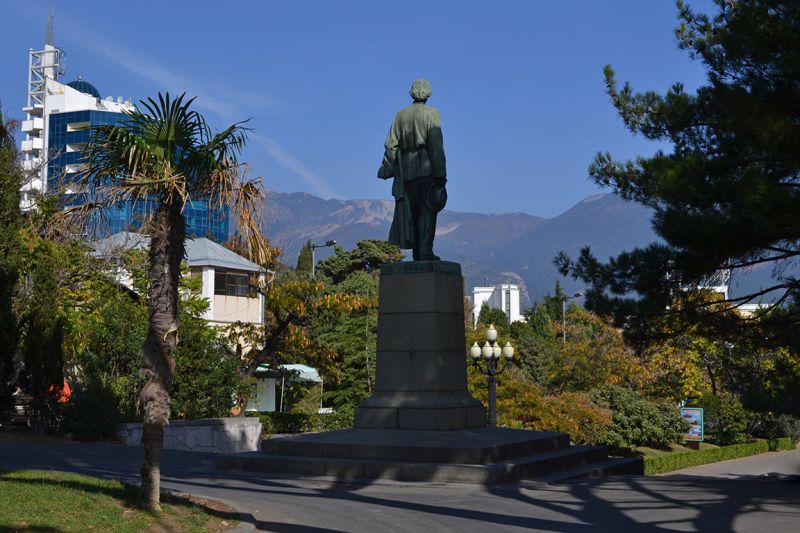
pixel 345 302
pixel 296 341
pixel 676 372
pixel 524 404
pixel 301 297
pixel 595 354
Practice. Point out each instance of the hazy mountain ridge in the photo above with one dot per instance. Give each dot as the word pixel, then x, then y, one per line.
pixel 606 223
pixel 491 248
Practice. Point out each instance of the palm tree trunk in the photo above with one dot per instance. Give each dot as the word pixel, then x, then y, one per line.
pixel 166 253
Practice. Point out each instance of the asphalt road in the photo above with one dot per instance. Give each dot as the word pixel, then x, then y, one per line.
pixel 731 496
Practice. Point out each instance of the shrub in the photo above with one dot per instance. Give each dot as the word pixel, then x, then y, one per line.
pixel 207 375
pixel 726 419
pixel 576 414
pixel 676 461
pixel 770 426
pixel 638 421
pixel 523 404
pixel 91 413
pixel 276 422
pixel 573 413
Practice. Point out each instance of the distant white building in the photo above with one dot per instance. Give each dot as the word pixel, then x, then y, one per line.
pixel 504 297
pixel 751 310
pixel 226 276
pixel 718 282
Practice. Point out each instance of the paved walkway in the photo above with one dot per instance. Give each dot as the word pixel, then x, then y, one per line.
pixel 784 464
pixel 740 500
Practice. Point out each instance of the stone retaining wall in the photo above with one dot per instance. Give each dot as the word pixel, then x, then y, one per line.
pixel 211 435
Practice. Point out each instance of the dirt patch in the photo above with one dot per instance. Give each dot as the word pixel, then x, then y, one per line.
pixel 219 516
pixel 212 505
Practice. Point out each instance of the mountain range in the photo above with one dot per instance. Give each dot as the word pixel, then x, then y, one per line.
pixel 492 248
pixel 499 248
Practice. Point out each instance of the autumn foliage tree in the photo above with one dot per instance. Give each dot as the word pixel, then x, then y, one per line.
pixel 328 322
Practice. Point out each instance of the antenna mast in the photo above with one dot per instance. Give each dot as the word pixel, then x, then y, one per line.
pixel 48 36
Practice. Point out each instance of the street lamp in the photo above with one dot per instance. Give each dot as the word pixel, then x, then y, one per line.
pixel 313 261
pixel 491 352
pixel 564 313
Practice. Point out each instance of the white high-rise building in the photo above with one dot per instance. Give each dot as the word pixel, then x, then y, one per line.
pixel 59 116
pixel 504 297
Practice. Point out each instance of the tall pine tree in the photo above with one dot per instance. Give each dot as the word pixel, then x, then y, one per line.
pixel 305 259
pixel 728 194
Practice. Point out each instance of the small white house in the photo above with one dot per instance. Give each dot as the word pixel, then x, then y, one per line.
pixel 266 381
pixel 504 297
pixel 226 275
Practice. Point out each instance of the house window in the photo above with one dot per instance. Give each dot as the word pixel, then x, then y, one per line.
pixel 229 283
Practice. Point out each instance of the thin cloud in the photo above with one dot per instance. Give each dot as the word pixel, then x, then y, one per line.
pixel 226 108
pixel 319 185
pixel 235 105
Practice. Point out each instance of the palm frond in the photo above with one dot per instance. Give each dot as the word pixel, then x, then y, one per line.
pixel 246 200
pixel 217 154
pixel 166 152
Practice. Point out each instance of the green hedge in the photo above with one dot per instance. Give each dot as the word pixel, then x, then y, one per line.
pixel 303 423
pixel 676 461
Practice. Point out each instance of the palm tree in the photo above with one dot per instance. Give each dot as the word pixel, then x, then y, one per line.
pixel 167 155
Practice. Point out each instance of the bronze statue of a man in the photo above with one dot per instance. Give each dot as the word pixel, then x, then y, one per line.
pixel 414 157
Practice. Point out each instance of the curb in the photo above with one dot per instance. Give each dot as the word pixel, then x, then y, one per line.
pixel 243 527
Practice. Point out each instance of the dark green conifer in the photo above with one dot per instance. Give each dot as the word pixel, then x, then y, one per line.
pixel 10 221
pixel 727 193
pixel 304 260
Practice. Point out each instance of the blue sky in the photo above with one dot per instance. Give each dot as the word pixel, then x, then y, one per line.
pixel 519 83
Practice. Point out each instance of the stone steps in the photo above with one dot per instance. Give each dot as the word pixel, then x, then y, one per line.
pixel 482 456
pixel 473 446
pixel 613 466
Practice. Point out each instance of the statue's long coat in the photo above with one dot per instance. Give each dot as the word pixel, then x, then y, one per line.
pixel 414 149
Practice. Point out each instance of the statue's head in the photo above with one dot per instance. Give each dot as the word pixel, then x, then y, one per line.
pixel 420 90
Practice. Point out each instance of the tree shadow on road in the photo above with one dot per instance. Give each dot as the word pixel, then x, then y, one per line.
pixel 624 503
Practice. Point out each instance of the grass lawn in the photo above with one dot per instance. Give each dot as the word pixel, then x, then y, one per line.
pixel 32 500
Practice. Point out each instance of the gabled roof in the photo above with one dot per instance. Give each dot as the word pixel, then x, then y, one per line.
pixel 199 251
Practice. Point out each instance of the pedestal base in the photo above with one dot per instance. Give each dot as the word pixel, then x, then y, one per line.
pixel 421 362
pixel 482 456
pixel 421 411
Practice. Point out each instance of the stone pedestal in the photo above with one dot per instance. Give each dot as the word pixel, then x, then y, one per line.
pixel 421 369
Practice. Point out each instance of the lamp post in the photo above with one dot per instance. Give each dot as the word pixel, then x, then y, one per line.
pixel 491 352
pixel 564 313
pixel 313 260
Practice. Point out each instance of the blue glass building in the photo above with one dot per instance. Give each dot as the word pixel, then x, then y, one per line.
pixel 68 131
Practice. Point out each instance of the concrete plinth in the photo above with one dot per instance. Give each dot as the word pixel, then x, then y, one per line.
pixel 212 435
pixel 421 369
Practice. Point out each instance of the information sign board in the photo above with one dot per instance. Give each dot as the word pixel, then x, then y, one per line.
pixel 693 415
